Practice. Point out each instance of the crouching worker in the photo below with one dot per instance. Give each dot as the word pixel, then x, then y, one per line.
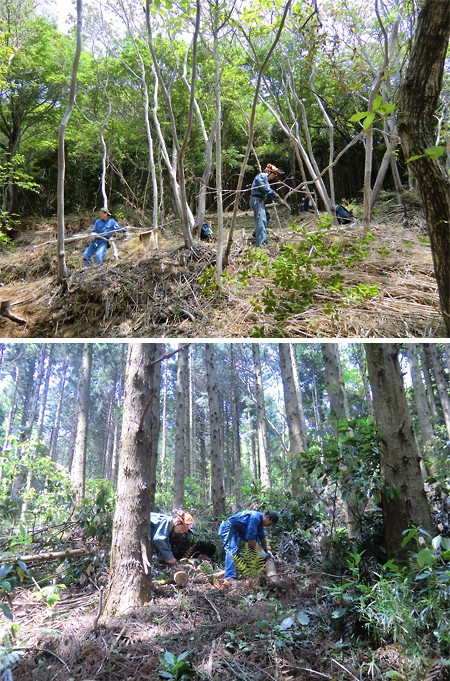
pixel 105 227
pixel 162 529
pixel 245 526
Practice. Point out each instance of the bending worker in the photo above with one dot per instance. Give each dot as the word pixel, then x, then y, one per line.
pixel 104 226
pixel 261 191
pixel 161 528
pixel 245 526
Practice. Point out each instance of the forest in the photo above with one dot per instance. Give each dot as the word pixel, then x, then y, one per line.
pixel 165 112
pixel 348 442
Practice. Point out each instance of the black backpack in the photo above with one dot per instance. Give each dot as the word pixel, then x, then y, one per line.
pixel 343 215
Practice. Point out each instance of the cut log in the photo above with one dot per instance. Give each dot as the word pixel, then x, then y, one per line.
pixel 181 578
pixel 271 569
pixel 5 311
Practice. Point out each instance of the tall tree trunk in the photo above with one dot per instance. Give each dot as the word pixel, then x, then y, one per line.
pixel 217 481
pixel 164 472
pixel 39 425
pixel 181 418
pixel 418 99
pixel 78 469
pixel 425 363
pixel 403 497
pixel 339 408
pixel 261 429
pixel 12 409
pixel 423 412
pixel 441 384
pixel 362 369
pixel 236 430
pixel 130 575
pixel 55 429
pixel 294 412
pixel 62 269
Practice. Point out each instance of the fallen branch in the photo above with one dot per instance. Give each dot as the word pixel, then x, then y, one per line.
pixel 48 556
pixel 5 311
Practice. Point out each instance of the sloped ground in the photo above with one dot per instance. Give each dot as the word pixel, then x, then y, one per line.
pixel 240 633
pixel 171 293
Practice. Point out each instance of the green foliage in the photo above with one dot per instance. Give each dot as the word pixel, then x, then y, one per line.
pixel 95 515
pixel 6 589
pixel 351 460
pixel 403 604
pixel 294 277
pixel 8 655
pixel 51 594
pixel 249 562
pixel 51 498
pixel 176 668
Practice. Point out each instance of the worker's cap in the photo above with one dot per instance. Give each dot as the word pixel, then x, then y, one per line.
pixel 104 210
pixel 184 518
pixel 273 169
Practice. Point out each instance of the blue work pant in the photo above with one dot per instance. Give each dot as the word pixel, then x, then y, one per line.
pixel 98 249
pixel 261 219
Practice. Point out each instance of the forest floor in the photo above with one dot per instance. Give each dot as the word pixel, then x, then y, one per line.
pixel 249 631
pixel 336 285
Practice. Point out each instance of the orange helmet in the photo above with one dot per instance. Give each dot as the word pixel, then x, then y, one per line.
pixel 184 518
pixel 273 169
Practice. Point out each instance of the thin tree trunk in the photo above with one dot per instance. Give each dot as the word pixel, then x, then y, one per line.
pixel 441 384
pixel 217 481
pixel 55 429
pixel 62 269
pixel 365 380
pixel 425 363
pixel 339 406
pixel 261 429
pixel 181 417
pixel 236 430
pixel 294 412
pixel 423 412
pixel 78 469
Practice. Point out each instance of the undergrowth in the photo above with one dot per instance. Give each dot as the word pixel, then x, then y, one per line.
pixel 315 263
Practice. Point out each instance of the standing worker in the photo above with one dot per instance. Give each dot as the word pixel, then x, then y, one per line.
pixel 161 528
pixel 261 191
pixel 245 526
pixel 104 226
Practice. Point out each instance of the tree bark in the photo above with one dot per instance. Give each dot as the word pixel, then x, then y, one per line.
pixel 217 480
pixel 404 501
pixel 418 98
pixel 130 576
pixel 78 469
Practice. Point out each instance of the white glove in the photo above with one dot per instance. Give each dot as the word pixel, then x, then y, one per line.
pixel 264 554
